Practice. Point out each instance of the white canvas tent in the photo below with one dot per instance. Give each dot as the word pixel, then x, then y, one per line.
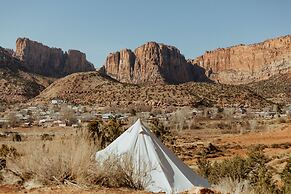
pixel 167 173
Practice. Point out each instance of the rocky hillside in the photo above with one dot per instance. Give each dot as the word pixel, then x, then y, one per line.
pixel 92 88
pixel 151 63
pixel 52 62
pixel 16 84
pixel 277 88
pixel 247 63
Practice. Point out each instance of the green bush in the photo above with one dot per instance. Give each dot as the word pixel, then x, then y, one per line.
pixel 204 167
pixel 105 132
pixel 94 129
pixel 259 175
pixel 160 130
pixel 253 168
pixel 235 169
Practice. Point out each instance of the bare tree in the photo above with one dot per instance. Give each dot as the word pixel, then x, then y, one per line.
pixel 12 119
pixel 180 117
pixel 68 115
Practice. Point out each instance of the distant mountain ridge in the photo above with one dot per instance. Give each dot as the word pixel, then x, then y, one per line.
pixel 52 62
pixel 152 63
pixel 266 65
pixel 243 64
pixel 158 63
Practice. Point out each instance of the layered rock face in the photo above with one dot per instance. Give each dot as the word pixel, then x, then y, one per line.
pixel 247 63
pixel 151 63
pixel 52 62
pixel 16 84
pixel 8 61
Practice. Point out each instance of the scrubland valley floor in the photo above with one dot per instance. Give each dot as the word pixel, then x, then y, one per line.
pixel 190 145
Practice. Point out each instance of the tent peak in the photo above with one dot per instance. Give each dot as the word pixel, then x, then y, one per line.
pixel 138 121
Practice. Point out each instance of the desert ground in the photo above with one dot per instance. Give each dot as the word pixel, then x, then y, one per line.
pixel 274 137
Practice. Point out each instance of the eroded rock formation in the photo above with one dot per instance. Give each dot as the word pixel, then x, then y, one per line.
pixel 47 61
pixel 16 84
pixel 247 63
pixel 151 63
pixel 8 61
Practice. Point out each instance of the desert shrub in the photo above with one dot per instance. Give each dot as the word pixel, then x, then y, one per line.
pixel 223 125
pixel 227 185
pixel 4 150
pixel 203 103
pixel 1 177
pixel 133 109
pixel 250 125
pixel 13 120
pixel 256 156
pixel 8 152
pixel 281 120
pixel 143 108
pixel 204 167
pixel 2 164
pixel 68 115
pixel 132 112
pixel 259 174
pixel 94 129
pixel 195 125
pixel 286 178
pixel 253 169
pixel 46 137
pixel 104 133
pixel 282 145
pixel 16 137
pixel 275 145
pixel 117 171
pixel 228 126
pixel 235 169
pixel 169 109
pixel 161 132
pixel 209 150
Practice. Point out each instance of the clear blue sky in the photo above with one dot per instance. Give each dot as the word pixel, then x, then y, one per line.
pixel 98 27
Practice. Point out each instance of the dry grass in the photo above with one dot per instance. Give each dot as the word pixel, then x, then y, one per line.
pixel 228 185
pixel 57 161
pixel 120 172
pixel 72 162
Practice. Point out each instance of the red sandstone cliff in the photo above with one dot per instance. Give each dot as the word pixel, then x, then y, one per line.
pixel 16 84
pixel 247 63
pixel 151 63
pixel 47 61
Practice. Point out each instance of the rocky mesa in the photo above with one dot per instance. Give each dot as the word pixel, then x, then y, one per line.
pixel 52 62
pixel 152 63
pixel 16 83
pixel 247 63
